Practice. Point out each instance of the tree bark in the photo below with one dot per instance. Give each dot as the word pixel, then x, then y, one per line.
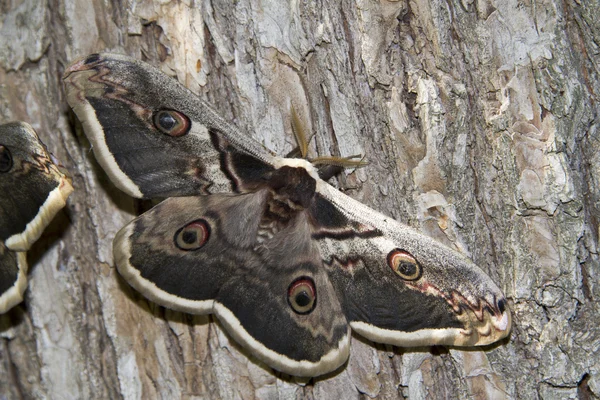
pixel 480 124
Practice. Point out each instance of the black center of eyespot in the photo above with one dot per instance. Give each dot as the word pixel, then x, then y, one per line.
pixel 189 237
pixel 407 268
pixel 166 120
pixel 6 161
pixel 302 299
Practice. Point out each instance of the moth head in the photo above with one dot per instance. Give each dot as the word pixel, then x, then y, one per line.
pixel 6 161
pixel 172 123
pixel 404 265
pixel 302 295
pixel 192 236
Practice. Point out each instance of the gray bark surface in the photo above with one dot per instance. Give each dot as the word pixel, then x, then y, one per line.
pixel 480 124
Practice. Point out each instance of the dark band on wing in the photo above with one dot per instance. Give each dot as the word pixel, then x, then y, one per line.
pixel 348 263
pixel 245 172
pixel 329 222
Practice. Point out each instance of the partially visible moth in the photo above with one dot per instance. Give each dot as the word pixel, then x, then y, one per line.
pixel 287 263
pixel 32 191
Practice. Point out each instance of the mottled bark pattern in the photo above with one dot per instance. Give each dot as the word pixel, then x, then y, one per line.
pixel 479 120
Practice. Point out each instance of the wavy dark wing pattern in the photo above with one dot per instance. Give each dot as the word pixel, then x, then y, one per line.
pixel 155 138
pixel 211 254
pixel 400 287
pixel 33 191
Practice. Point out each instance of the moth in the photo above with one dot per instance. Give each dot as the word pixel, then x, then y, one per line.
pixel 288 264
pixel 32 190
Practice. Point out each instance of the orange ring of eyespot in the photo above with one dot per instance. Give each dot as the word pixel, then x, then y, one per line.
pixel 181 123
pixel 6 161
pixel 194 228
pixel 308 284
pixel 398 259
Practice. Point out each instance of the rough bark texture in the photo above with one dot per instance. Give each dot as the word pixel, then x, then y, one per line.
pixel 480 122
